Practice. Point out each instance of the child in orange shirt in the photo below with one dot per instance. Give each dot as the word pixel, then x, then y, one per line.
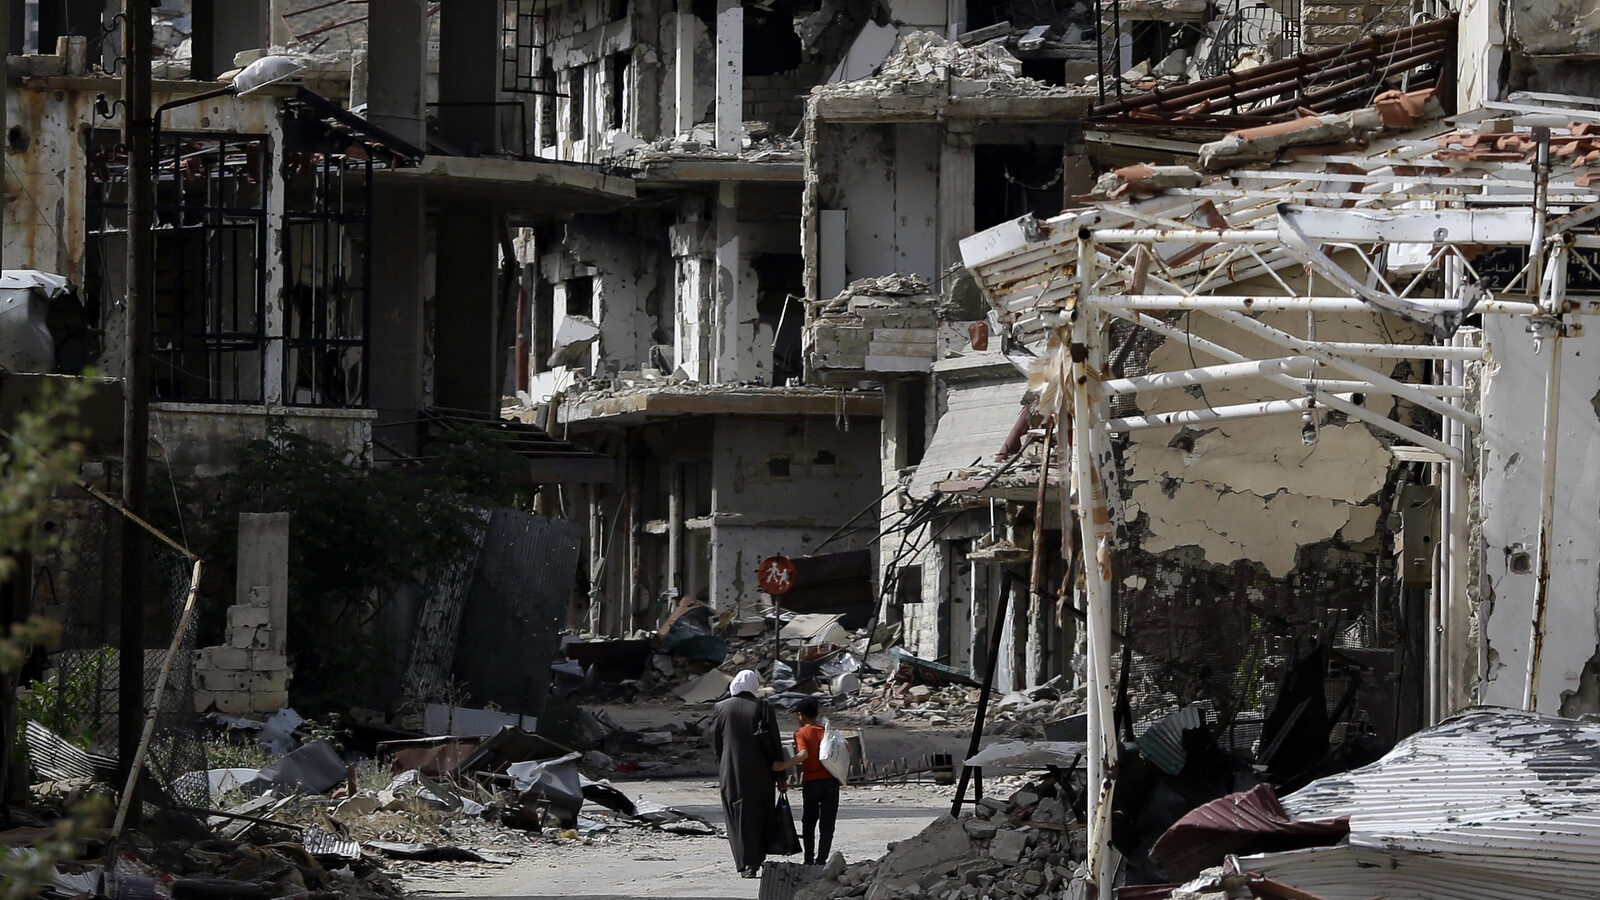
pixel 817 786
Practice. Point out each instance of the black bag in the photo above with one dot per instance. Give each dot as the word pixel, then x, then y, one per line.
pixel 781 837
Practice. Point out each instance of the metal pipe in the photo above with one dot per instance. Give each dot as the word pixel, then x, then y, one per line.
pixel 1298 366
pixel 971 772
pixel 1400 351
pixel 1094 525
pixel 1377 379
pixel 1361 387
pixel 1551 289
pixel 1241 303
pixel 1330 400
pixel 1209 414
pixel 1193 235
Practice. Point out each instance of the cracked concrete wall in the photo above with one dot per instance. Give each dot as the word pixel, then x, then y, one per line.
pixel 1510 495
pixel 628 259
pixel 1248 489
pixel 782 487
pixel 885 178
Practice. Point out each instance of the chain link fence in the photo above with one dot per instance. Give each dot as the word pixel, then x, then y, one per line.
pixel 77 700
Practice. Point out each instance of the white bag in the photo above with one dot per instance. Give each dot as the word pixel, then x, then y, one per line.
pixel 835 753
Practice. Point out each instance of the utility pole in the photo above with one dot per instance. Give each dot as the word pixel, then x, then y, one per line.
pixel 138 137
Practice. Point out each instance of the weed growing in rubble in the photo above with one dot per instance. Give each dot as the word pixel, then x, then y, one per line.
pixel 356 535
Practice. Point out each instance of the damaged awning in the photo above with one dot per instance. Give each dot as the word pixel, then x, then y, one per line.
pixel 979 415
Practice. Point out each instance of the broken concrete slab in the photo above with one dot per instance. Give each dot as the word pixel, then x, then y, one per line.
pixel 937 848
pixel 708 687
pixel 439 720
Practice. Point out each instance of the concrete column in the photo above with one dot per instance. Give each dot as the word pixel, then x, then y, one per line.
pixel 729 268
pixel 469 73
pixel 955 192
pixel 683 70
pixel 730 76
pixel 222 28
pixel 396 344
pixel 466 309
pixel 397 55
pixel 263 569
pixel 277 25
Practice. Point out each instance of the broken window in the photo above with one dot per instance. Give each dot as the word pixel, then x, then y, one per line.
pixel 544 307
pixel 327 270
pixel 915 440
pixel 575 94
pixel 208 339
pixel 580 296
pixel 780 278
pixel 1012 180
pixel 619 90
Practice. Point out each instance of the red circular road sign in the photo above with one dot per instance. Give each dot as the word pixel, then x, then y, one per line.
pixel 776 575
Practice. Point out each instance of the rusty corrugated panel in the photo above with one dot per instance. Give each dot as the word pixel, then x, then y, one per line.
pixel 1207 834
pixel 1493 797
pixel 1325 80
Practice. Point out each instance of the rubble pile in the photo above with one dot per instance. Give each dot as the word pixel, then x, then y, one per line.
pixel 923 57
pixel 1024 846
pixel 759 144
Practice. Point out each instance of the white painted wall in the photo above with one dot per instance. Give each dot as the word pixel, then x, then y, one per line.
pixel 1511 473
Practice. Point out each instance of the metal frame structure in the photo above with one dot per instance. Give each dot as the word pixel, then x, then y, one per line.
pixel 1391 231
pixel 211 273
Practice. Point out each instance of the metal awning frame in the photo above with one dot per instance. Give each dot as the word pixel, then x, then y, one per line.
pixel 1063 281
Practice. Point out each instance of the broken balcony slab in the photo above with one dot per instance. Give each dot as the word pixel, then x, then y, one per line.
pixel 646 404
pixel 527 190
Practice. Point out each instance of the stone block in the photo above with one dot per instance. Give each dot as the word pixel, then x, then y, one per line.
pixel 233 703
pixel 268 660
pixel 231 659
pixel 222 681
pixel 250 638
pixel 203 700
pixel 268 701
pixel 1008 846
pixel 242 616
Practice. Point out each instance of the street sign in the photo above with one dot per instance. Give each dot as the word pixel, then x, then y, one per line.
pixel 776 574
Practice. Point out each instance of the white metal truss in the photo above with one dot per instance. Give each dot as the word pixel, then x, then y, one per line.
pixel 1405 230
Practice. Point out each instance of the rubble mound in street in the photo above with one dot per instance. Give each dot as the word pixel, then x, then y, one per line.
pixel 1024 846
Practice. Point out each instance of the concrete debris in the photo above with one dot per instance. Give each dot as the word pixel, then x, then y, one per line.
pixel 1143 181
pixel 925 58
pixel 1019 847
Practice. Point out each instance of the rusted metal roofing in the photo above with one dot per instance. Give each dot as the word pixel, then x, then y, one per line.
pixel 1494 796
pixel 1335 79
pixel 1208 833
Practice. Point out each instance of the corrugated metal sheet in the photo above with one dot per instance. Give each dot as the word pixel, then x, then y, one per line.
pixel 56 759
pixel 1495 796
pixel 978 417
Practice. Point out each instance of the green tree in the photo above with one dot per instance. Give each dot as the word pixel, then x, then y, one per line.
pixel 38 456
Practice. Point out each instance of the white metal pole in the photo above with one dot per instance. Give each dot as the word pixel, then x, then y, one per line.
pixel 1094 521
pixel 1547 487
pixel 1209 414
pixel 1298 366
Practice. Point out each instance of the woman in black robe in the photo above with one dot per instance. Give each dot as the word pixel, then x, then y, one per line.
pixel 744 734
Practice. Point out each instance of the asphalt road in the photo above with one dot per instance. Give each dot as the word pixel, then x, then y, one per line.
pixel 638 863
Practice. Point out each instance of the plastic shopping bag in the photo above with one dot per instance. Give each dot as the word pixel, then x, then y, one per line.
pixel 835 753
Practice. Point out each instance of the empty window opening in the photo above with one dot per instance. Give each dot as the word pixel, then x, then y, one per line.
pixel 1049 71
pixel 580 296
pixel 575 92
pixel 771 45
pixel 780 278
pixel 1012 180
pixel 824 458
pixel 544 306
pixel 778 467
pixel 915 439
pixel 619 89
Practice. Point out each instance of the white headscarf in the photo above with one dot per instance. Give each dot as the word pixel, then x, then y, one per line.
pixel 746 682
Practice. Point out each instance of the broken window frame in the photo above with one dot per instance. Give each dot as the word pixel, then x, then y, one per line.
pixel 337 209
pixel 520 48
